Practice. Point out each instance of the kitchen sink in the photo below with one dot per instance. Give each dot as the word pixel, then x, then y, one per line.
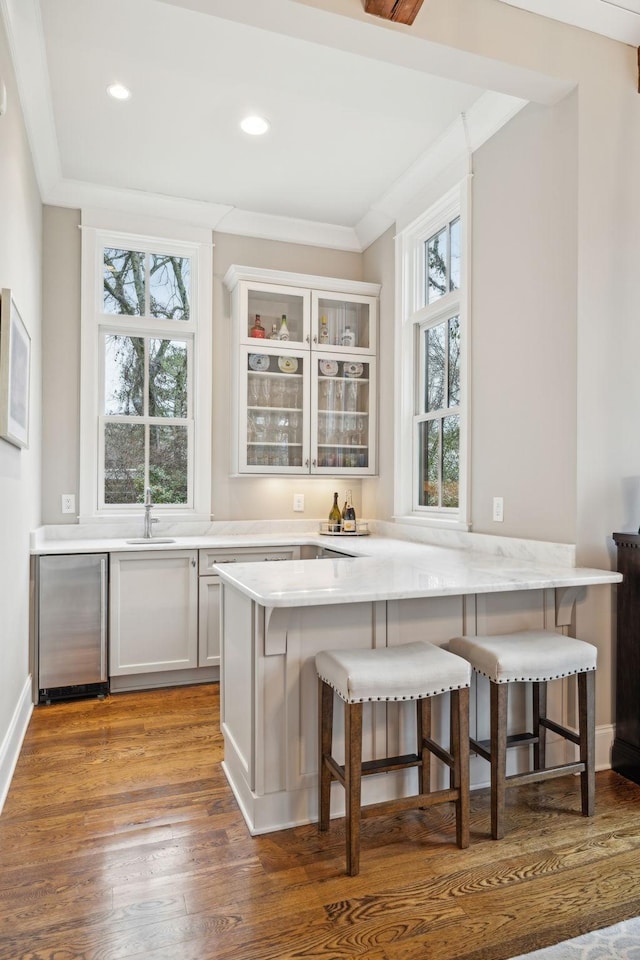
pixel 150 540
pixel 310 551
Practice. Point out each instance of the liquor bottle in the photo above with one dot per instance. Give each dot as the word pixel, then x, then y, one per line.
pixel 324 330
pixel 344 512
pixel 274 332
pixel 257 330
pixel 348 337
pixel 335 517
pixel 284 329
pixel 349 522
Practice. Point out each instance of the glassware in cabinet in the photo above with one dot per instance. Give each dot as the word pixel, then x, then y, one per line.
pixel 344 323
pixel 273 420
pixel 283 312
pixel 343 435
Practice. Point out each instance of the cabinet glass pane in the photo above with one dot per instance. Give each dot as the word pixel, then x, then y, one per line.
pixel 344 324
pixel 270 307
pixel 275 401
pixel 343 414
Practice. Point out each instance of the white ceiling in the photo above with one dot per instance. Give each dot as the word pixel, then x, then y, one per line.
pixel 360 112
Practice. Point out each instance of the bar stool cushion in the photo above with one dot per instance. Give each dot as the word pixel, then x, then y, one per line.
pixel 529 655
pixel 409 671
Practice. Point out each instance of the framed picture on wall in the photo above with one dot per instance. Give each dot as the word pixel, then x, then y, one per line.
pixel 15 363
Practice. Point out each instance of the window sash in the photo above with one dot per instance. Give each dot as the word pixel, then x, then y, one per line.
pixel 195 332
pixel 415 316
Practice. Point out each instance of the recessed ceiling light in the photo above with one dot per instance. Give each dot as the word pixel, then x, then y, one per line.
pixel 256 126
pixel 118 91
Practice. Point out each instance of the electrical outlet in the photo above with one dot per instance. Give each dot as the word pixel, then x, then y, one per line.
pixel 68 502
pixel 498 509
pixel 298 502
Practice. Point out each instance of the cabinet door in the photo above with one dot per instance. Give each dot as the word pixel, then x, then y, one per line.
pixel 343 430
pixel 344 323
pixel 271 302
pixel 209 622
pixel 153 611
pixel 273 410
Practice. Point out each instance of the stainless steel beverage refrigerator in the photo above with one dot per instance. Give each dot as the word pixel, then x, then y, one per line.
pixel 71 626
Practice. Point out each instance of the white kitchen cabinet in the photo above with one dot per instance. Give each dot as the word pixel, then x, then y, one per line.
pixel 209 592
pixel 153 612
pixel 308 404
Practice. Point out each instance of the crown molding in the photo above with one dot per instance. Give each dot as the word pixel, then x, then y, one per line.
pixel 448 158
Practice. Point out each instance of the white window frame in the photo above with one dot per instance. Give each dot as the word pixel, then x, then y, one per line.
pixel 413 316
pixel 196 332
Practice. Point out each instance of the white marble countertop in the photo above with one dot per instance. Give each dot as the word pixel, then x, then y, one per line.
pixel 387 569
pixel 384 567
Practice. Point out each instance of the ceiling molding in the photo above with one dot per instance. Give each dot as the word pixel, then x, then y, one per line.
pixel 617 20
pixel 514 87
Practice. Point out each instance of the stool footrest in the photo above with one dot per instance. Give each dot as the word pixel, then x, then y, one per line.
pixel 421 801
pixel 439 752
pixel 533 776
pixel 562 731
pixel 383 765
pixel 483 747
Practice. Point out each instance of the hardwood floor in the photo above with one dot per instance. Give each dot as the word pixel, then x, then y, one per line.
pixel 120 838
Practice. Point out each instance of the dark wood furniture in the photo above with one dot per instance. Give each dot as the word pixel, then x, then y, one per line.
pixel 625 757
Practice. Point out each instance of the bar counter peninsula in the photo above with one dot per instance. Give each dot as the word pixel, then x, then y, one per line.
pixel 276 617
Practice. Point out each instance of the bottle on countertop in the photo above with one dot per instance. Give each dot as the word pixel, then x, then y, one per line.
pixel 284 329
pixel 335 517
pixel 348 337
pixel 257 330
pixel 274 332
pixel 324 330
pixel 349 518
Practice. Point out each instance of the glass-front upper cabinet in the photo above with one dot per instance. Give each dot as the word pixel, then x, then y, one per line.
pixel 273 421
pixel 275 313
pixel 304 373
pixel 343 431
pixel 344 323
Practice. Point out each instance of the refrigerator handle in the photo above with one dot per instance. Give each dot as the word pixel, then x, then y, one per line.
pixel 103 618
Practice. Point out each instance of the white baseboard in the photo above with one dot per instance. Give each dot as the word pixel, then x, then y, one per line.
pixel 12 743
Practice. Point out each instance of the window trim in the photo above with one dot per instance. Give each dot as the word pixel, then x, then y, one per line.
pixel 197 330
pixel 411 315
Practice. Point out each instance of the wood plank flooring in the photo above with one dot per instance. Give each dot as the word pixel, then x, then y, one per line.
pixel 120 839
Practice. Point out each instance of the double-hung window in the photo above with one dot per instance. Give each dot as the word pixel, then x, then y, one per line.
pixel 432 472
pixel 146 363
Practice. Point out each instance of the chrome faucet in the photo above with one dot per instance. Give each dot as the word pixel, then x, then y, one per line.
pixel 148 519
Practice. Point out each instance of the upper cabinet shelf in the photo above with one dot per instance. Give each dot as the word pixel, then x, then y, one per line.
pixel 340 316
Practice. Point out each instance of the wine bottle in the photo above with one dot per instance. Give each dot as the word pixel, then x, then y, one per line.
pixel 284 329
pixel 349 522
pixel 324 330
pixel 335 517
pixel 274 332
pixel 257 330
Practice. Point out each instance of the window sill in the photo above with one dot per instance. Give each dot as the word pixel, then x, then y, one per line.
pixel 440 523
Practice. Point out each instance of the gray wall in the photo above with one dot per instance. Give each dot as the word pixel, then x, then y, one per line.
pixel 20 266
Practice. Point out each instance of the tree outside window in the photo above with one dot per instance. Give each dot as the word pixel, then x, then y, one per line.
pixel 147 388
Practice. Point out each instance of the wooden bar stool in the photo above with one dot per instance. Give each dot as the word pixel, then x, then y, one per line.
pixel 534 656
pixel 412 671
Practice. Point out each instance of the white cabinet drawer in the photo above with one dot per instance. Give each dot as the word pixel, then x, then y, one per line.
pixel 211 558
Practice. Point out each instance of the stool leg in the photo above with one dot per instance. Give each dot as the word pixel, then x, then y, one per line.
pixel 540 713
pixel 352 782
pixel 499 693
pixel 423 717
pixel 459 749
pixel 325 738
pixel 587 730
